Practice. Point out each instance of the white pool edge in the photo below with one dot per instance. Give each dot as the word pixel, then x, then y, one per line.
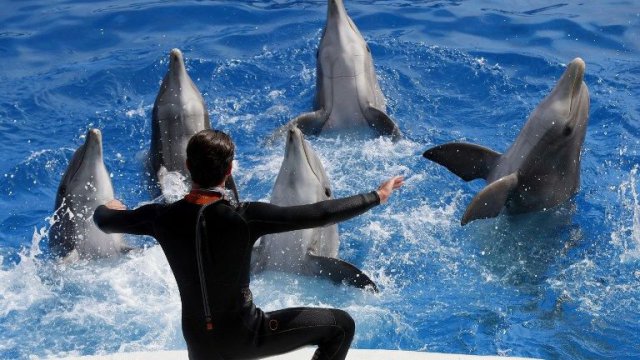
pixel 302 354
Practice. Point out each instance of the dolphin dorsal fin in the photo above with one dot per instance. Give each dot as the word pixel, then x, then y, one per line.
pixel 468 161
pixel 489 202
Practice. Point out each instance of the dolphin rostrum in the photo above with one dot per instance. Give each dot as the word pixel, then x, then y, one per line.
pixel 542 167
pixel 303 180
pixel 85 185
pixel 179 112
pixel 348 96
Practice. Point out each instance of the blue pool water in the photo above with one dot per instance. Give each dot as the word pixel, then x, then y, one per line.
pixel 560 284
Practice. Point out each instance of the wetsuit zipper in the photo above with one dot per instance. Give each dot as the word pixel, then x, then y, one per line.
pixel 203 282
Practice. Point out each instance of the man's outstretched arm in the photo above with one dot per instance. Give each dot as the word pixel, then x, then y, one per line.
pixel 113 217
pixel 266 218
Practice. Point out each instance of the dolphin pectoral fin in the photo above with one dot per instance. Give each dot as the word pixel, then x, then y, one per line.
pixel 468 161
pixel 489 202
pixel 382 123
pixel 309 123
pixel 340 271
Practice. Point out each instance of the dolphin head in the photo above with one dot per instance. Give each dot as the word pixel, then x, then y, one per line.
pixel 302 178
pixel 342 52
pixel 176 78
pixel 176 63
pixel 562 116
pixel 179 112
pixel 548 149
pixel 85 185
pixel 93 143
pixel 86 173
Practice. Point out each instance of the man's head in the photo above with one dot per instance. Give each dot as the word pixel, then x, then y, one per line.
pixel 209 157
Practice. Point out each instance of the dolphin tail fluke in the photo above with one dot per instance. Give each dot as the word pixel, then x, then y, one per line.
pixel 382 123
pixel 468 161
pixel 341 272
pixel 309 123
pixel 489 202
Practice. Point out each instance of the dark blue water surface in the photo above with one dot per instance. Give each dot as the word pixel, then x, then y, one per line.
pixel 560 284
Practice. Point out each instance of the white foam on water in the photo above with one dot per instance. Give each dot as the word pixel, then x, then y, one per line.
pixel 21 286
pixel 132 300
pixel 174 186
pixel 602 284
pixel 261 168
pixel 129 303
pixel 140 111
pixel 627 236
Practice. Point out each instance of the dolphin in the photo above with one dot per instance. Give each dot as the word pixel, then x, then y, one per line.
pixel 85 185
pixel 303 180
pixel 348 97
pixel 179 112
pixel 541 169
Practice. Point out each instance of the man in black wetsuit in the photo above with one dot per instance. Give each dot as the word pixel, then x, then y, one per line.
pixel 208 242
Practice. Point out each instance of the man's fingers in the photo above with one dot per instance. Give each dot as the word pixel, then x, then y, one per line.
pixel 115 205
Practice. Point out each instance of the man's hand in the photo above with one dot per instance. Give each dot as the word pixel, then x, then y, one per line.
pixel 387 187
pixel 115 205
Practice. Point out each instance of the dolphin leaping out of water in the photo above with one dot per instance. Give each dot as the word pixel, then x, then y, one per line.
pixel 85 185
pixel 348 97
pixel 542 167
pixel 179 112
pixel 303 180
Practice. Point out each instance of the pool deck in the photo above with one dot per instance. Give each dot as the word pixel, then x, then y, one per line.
pixel 302 354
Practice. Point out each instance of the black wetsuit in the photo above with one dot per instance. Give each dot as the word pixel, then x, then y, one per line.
pixel 240 330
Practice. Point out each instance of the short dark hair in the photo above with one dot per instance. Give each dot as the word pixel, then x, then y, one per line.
pixel 209 154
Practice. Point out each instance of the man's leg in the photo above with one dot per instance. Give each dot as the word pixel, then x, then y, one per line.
pixel 289 329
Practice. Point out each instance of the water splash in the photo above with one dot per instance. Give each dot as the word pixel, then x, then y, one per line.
pixel 628 235
pixel 24 278
pixel 133 300
pixel 174 185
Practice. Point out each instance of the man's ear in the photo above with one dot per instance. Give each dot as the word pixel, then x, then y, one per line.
pixel 228 171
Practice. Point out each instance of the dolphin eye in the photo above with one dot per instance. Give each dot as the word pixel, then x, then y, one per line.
pixel 368 50
pixel 327 192
pixel 567 131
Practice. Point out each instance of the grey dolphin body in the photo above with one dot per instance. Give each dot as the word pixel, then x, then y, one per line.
pixel 85 185
pixel 348 96
pixel 542 167
pixel 179 112
pixel 303 180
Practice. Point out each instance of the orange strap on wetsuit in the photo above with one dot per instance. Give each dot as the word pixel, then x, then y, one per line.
pixel 202 197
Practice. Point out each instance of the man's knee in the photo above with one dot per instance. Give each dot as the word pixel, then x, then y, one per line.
pixel 345 322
